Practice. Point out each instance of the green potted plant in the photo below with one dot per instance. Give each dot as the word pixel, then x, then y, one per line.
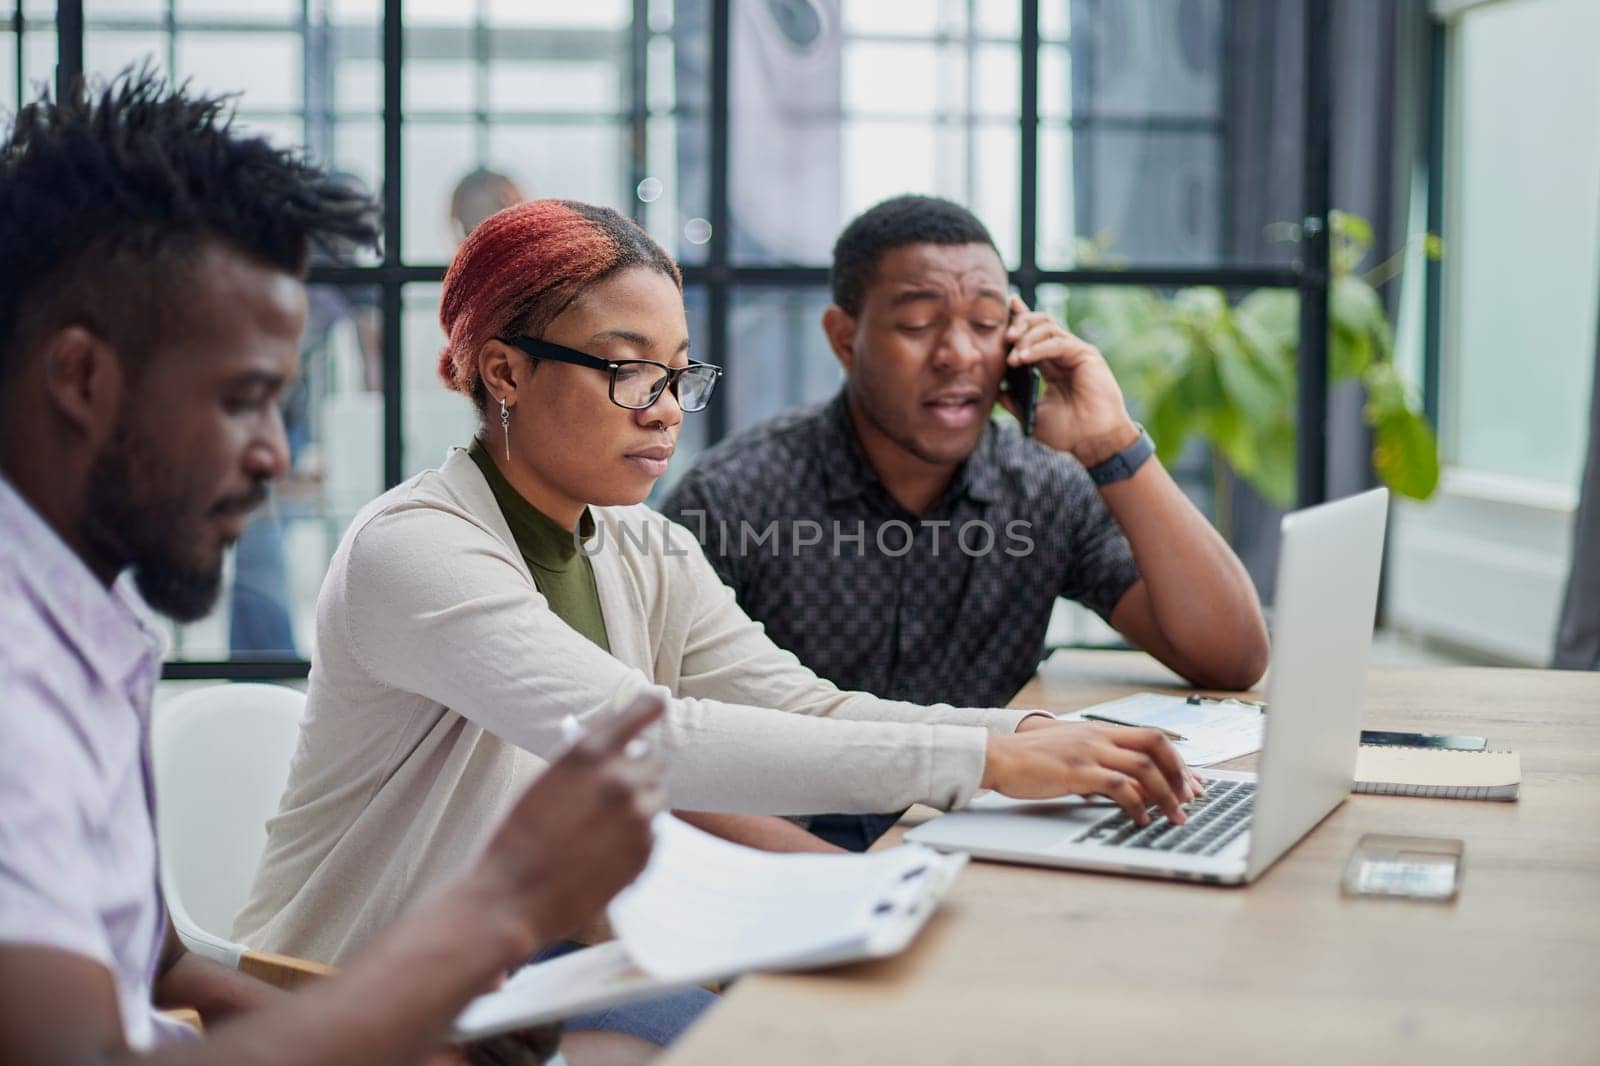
pixel 1194 364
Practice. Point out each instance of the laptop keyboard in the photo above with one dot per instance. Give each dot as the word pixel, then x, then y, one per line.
pixel 1219 816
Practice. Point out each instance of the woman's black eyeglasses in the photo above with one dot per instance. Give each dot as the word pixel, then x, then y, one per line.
pixel 635 383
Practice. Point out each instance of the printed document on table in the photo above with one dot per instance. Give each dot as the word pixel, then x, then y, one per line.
pixel 705 906
pixel 1217 730
pixel 705 909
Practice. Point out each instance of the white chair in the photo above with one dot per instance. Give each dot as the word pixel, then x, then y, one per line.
pixel 220 758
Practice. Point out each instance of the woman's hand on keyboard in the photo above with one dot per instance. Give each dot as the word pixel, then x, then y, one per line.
pixel 1133 767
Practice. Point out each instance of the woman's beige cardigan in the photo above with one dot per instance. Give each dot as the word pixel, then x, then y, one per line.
pixel 440 676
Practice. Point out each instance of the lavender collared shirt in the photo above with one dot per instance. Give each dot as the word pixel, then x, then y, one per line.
pixel 78 666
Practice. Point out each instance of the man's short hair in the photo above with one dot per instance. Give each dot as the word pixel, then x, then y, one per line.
pixel 893 224
pixel 107 196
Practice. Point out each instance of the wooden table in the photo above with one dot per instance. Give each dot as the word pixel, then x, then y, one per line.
pixel 1031 965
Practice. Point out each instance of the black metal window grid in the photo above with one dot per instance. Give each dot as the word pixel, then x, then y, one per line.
pixel 719 276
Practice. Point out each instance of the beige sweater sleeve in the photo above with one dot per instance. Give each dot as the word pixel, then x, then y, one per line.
pixel 436 606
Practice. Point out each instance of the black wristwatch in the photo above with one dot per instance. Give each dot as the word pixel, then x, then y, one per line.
pixel 1125 463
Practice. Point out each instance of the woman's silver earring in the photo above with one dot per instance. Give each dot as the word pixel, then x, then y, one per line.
pixel 505 426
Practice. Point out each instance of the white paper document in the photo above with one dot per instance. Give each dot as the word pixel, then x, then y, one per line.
pixel 1216 730
pixel 587 980
pixel 705 910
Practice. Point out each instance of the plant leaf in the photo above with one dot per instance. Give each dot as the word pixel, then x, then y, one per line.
pixel 1275 475
pixel 1386 393
pixel 1169 423
pixel 1232 435
pixel 1198 387
pixel 1202 304
pixel 1271 317
pixel 1406 455
pixel 1349 352
pixel 1353 228
pixel 1252 390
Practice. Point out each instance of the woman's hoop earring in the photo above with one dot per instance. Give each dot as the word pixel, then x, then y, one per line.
pixel 505 426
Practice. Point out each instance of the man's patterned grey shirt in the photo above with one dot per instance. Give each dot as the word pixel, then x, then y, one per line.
pixel 950 607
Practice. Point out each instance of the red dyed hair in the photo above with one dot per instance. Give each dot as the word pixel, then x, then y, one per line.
pixel 521 267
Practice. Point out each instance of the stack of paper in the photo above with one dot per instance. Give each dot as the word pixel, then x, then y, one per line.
pixel 1214 730
pixel 706 910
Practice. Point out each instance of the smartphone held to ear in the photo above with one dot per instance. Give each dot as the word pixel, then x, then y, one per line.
pixel 1022 382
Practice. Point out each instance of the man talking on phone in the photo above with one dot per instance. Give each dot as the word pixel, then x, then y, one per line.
pixel 899 541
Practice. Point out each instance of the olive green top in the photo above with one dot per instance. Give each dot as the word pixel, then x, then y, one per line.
pixel 563 574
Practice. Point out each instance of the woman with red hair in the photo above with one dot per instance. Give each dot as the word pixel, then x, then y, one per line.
pixel 472 609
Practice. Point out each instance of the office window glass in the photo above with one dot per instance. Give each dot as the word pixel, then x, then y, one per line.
pixel 679 69
pixel 433 84
pixel 358 85
pixel 107 52
pixel 141 10
pixel 10 90
pixel 1000 18
pixel 581 87
pixel 38 57
pixel 27 52
pixel 907 18
pixel 777 354
pixel 1152 149
pixel 359 12
pixel 570 160
pixel 1522 226
pixel 566 101
pixel 436 418
pixel 264 67
pixel 1129 196
pixel 357 150
pixel 262 12
pixel 829 115
pixel 590 15
pixel 315 85
pixel 436 158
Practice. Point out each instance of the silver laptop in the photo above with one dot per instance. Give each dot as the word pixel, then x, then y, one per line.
pixel 1322 634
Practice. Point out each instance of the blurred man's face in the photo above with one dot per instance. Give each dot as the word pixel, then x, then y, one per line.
pixel 928 348
pixel 200 434
pixel 482 202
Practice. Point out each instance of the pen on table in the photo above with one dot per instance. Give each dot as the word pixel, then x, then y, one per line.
pixel 1169 734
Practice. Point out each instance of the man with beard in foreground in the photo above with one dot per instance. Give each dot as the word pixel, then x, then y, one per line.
pixel 151 304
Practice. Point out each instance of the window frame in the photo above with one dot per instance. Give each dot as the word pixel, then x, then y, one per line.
pixel 720 277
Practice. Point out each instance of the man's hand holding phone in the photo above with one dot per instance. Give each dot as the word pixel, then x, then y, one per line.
pixel 1082 410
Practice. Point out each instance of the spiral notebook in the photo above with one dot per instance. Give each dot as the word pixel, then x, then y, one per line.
pixel 1439 773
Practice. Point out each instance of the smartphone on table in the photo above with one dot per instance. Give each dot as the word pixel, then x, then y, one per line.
pixel 1390 739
